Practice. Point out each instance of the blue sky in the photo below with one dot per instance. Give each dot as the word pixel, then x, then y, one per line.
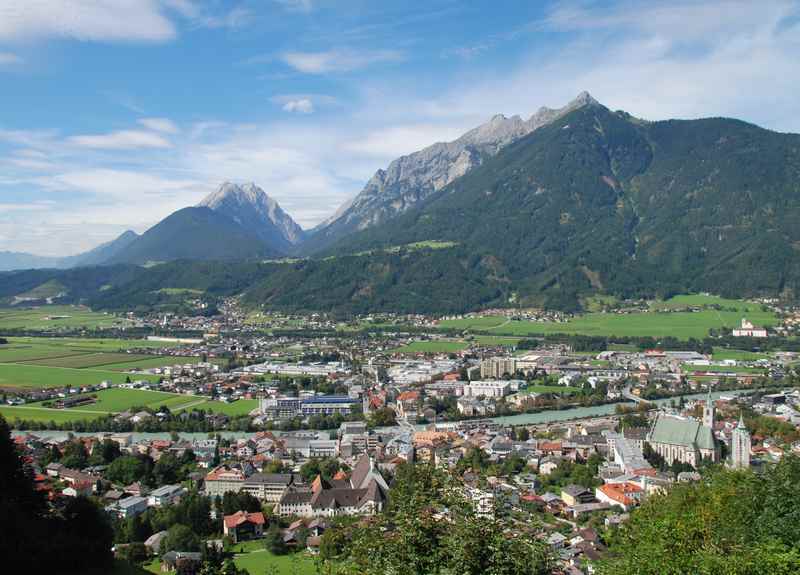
pixel 114 113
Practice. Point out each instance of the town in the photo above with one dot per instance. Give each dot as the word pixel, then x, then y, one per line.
pixel 277 444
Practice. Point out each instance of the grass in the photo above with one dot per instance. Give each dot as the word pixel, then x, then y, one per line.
pixel 721 368
pixel 257 560
pixel 86 360
pixel 108 401
pixel 43 415
pixel 435 346
pixel 54 317
pixel 495 340
pixel 721 353
pixel 240 407
pixel 17 375
pixel 682 325
pixel 550 389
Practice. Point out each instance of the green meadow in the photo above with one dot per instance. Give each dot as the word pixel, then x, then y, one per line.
pixel 55 317
pixel 17 375
pixel 659 322
pixel 434 346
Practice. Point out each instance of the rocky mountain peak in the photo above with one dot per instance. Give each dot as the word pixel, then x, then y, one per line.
pixel 250 206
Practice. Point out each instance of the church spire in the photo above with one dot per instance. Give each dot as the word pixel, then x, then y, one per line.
pixel 741 421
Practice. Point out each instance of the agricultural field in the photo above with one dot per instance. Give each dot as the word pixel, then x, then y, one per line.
pixel 44 415
pixel 721 353
pixel 683 325
pixel 86 360
pixel 723 369
pixel 108 401
pixel 435 346
pixel 495 340
pixel 52 362
pixel 23 376
pixel 55 317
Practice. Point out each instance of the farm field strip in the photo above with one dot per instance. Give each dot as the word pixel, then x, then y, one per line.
pixel 19 375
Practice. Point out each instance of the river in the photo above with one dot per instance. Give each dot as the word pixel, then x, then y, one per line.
pixel 522 419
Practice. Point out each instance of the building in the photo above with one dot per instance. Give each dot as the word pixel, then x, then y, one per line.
pixel 243 525
pixel 166 495
pixel 627 453
pixel 574 495
pixel 740 446
pixel 685 440
pixel 497 367
pixel 490 388
pixel 625 495
pixel 223 479
pixel 269 487
pixel 280 407
pixel 747 329
pixel 327 405
pixel 363 493
pixel 128 507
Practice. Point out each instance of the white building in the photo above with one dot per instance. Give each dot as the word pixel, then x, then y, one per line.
pixel 740 446
pixel 747 329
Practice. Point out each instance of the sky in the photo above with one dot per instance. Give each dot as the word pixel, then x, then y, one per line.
pixel 115 113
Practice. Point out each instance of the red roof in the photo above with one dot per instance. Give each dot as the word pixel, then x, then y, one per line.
pixel 241 517
pixel 622 492
pixel 408 396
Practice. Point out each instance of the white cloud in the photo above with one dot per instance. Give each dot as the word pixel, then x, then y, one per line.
pixel 86 20
pixel 121 140
pixel 338 60
pixel 164 125
pixel 9 58
pixel 302 106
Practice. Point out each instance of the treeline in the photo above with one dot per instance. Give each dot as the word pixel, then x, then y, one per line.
pixel 732 522
pixel 35 537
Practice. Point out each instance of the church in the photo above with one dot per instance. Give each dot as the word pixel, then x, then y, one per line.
pixel 684 439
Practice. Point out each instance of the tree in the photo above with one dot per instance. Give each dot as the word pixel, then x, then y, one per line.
pixel 179 537
pixel 733 522
pixel 429 528
pixel 273 540
pixel 75 455
pixel 126 470
pixel 167 469
pixel 327 467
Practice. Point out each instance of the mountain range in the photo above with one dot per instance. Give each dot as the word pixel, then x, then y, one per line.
pixel 545 211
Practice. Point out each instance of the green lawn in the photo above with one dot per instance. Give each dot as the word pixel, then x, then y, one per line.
pixel 16 375
pixel 436 346
pixel 240 407
pixel 44 415
pixel 258 561
pixel 54 317
pixel 721 353
pixel 682 325
pixel 495 340
pixel 722 368
pixel 108 401
pixel 118 399
pixel 87 359
pixel 550 389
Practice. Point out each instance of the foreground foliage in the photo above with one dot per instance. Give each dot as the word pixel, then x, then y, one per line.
pixel 430 528
pixel 736 523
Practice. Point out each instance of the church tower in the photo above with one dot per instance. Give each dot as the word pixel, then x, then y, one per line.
pixel 740 446
pixel 709 412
